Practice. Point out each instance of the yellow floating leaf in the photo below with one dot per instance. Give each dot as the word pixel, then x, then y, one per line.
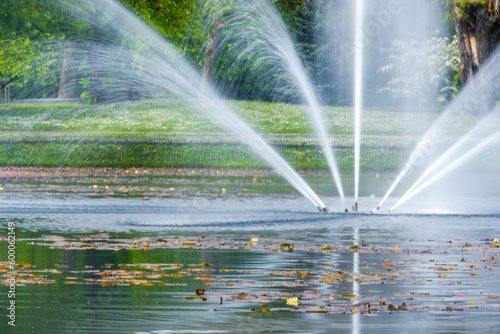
pixel 201 278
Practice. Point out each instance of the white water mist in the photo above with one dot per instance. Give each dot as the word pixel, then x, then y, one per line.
pixel 129 53
pixel 260 40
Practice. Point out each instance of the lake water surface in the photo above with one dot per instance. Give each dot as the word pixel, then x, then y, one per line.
pixel 134 266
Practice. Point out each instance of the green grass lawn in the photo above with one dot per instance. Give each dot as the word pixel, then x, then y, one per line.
pixel 167 134
pixel 150 117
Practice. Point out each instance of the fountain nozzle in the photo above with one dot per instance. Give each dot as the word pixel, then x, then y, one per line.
pixel 356 207
pixel 346 210
pixel 325 209
pixel 319 208
pixel 375 210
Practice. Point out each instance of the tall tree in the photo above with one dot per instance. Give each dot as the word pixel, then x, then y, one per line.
pixel 477 25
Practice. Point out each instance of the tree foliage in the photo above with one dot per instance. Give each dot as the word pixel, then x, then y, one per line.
pixel 31 34
pixel 169 17
pixel 35 33
pixel 420 69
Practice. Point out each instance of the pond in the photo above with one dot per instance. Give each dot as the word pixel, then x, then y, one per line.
pixel 253 265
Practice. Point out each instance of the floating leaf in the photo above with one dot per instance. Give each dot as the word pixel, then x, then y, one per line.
pixel 196 297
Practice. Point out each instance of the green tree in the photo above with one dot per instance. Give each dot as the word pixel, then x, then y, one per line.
pixel 28 31
pixel 170 17
pixel 477 25
pixel 418 70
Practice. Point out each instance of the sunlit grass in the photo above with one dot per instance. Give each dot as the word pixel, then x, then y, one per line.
pixel 168 134
pixel 170 116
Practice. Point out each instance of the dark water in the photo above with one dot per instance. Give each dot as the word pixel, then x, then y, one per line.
pixel 441 263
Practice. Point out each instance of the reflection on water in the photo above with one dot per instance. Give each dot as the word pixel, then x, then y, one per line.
pixel 355 284
pixel 107 266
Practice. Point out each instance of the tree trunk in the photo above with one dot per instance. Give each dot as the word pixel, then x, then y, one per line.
pixel 478 33
pixel 211 51
pixel 211 54
pixel 68 75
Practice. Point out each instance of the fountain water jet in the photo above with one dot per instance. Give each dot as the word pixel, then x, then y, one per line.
pixel 479 129
pixel 259 37
pixel 463 105
pixel 358 96
pixel 483 145
pixel 157 67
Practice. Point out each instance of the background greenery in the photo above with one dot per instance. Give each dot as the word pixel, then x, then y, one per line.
pixel 35 34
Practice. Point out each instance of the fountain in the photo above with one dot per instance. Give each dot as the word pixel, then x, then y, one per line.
pixel 488 125
pixel 201 263
pixel 259 38
pixel 465 105
pixel 468 155
pixel 162 69
pixel 358 96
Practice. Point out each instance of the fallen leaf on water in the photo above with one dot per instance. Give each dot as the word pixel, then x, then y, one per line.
pixel 195 297
pixel 265 309
pixel 318 311
pixel 186 243
pixel 292 301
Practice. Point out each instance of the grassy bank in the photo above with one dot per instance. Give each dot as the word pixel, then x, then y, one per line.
pixel 170 116
pixel 182 156
pixel 154 134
